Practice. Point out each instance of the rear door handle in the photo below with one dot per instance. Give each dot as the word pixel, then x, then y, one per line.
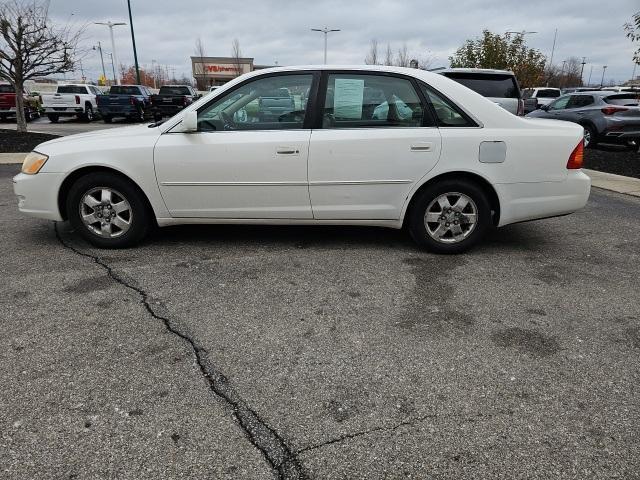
pixel 422 147
pixel 287 151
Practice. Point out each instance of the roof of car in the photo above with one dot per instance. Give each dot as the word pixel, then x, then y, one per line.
pixel 488 71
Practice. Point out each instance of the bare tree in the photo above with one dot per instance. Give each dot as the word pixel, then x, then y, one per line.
pixel 372 56
pixel 236 54
pixel 388 56
pixel 199 51
pixel 403 60
pixel 30 46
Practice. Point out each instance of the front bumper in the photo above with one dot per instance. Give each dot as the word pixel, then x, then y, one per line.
pixel 38 194
pixel 520 202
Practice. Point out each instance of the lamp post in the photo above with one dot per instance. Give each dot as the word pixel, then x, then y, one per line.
pixel 582 69
pixel 604 67
pixel 325 30
pixel 99 48
pixel 112 66
pixel 133 40
pixel 114 57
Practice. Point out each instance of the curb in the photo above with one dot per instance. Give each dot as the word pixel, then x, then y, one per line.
pixel 614 183
pixel 10 158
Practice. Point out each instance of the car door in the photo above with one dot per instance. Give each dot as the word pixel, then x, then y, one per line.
pixel 558 108
pixel 241 163
pixel 376 139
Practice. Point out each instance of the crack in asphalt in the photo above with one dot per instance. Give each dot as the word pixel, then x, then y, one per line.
pixel 273 447
pixel 349 436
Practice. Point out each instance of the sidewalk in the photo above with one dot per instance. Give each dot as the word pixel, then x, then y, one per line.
pixel 6 158
pixel 607 181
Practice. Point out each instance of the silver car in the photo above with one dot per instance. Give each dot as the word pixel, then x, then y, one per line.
pixel 499 86
pixel 607 117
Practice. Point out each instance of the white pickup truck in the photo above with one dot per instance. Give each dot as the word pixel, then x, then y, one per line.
pixel 71 100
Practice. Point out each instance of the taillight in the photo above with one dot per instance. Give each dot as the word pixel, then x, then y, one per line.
pixel 576 159
pixel 77 99
pixel 520 111
pixel 612 110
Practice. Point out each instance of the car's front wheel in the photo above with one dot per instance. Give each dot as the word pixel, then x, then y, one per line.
pixel 108 210
pixel 450 216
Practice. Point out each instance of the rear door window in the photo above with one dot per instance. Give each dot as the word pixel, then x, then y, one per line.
pixel 488 85
pixel 369 100
pixel 579 101
pixel 7 89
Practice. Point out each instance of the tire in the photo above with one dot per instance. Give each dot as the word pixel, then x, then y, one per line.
pixel 438 235
pixel 590 140
pixel 28 115
pixel 106 119
pixel 129 221
pixel 53 118
pixel 88 113
pixel 140 115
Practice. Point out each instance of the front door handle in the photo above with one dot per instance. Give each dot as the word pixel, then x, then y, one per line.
pixel 287 151
pixel 422 147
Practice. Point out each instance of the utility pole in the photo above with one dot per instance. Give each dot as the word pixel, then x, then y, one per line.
pixel 133 40
pixel 553 49
pixel 113 67
pixel 114 57
pixel 99 48
pixel 582 69
pixel 604 67
pixel 325 30
pixel 564 62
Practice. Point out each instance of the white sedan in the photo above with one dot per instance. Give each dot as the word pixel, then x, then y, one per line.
pixel 347 145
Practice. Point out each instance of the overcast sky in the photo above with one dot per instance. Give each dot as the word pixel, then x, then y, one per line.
pixel 278 30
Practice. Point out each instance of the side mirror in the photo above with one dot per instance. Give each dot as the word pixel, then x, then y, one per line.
pixel 190 122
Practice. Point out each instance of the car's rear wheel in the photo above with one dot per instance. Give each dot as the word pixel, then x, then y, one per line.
pixel 53 118
pixel 450 216
pixel 107 118
pixel 589 137
pixel 108 210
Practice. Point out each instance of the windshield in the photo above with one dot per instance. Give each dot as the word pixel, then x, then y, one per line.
pixel 488 85
pixel 174 91
pixel 124 90
pixel 71 89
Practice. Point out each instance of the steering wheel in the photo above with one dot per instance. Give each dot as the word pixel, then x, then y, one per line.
pixel 229 124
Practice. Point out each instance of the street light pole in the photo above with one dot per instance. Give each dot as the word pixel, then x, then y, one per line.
pixel 590 72
pixel 582 69
pixel 113 68
pixel 604 67
pixel 325 30
pixel 99 48
pixel 114 57
pixel 133 40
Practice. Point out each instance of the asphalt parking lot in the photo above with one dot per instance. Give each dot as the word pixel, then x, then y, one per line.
pixel 317 352
pixel 67 126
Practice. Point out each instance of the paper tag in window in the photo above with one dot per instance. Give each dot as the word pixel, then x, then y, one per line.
pixel 348 98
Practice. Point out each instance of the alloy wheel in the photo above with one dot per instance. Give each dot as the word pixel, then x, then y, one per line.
pixel 451 217
pixel 106 212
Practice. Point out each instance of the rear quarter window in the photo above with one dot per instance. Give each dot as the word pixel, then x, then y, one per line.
pixel 7 89
pixel 631 100
pixel 488 85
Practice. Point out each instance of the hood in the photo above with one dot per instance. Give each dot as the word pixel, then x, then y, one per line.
pixel 98 136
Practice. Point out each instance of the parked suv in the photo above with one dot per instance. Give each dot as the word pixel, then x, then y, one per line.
pixel 607 117
pixel 500 86
pixel 534 98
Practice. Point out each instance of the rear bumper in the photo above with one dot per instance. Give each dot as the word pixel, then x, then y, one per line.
pixel 167 109
pixel 118 110
pixel 520 202
pixel 38 194
pixel 63 110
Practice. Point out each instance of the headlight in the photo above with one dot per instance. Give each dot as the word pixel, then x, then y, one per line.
pixel 33 163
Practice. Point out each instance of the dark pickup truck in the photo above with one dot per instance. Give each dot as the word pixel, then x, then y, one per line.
pixel 171 99
pixel 129 101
